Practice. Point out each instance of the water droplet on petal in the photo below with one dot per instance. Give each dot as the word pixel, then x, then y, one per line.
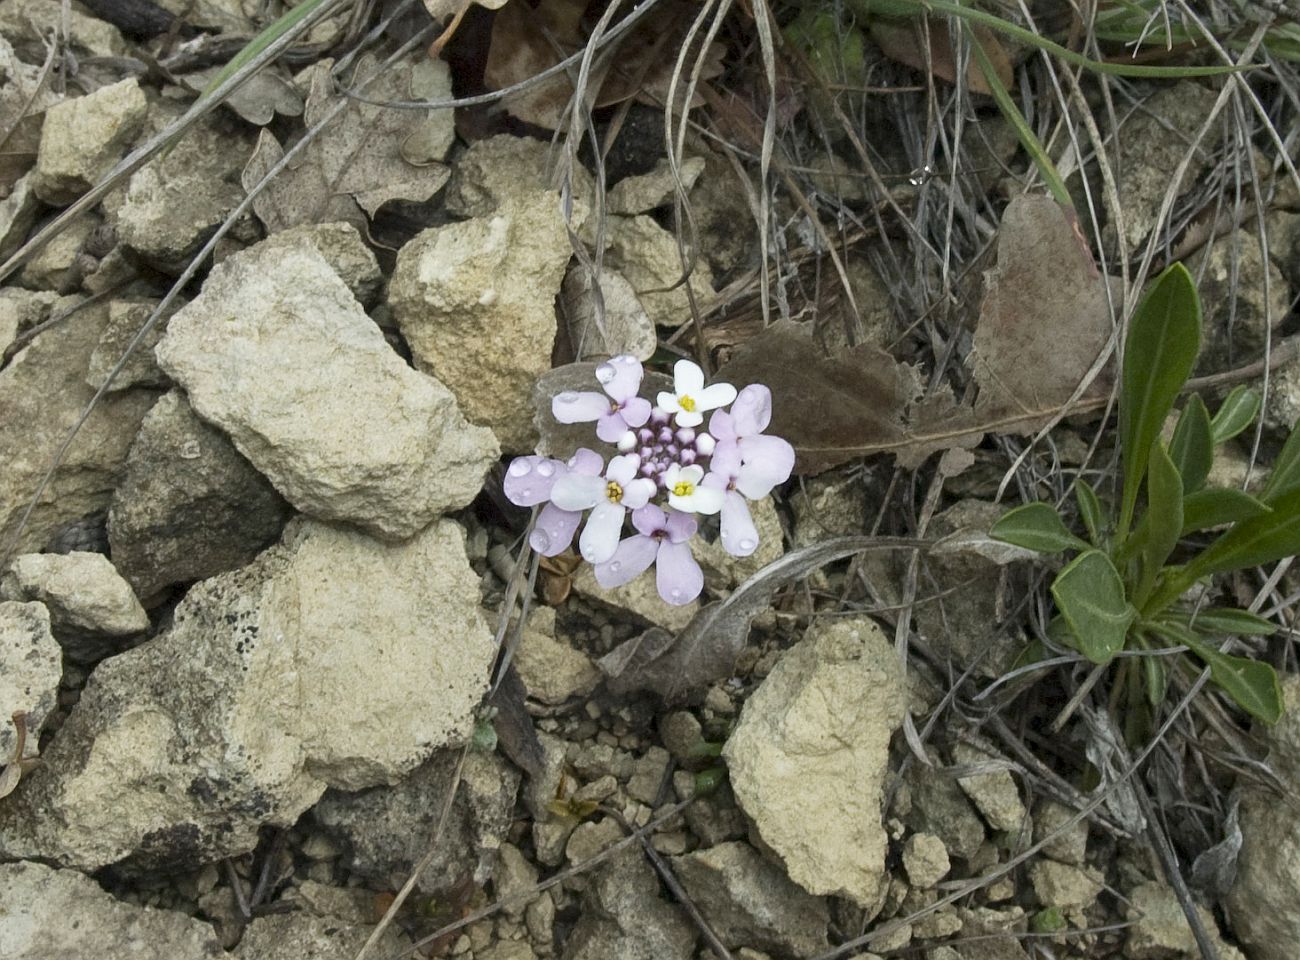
pixel 615 566
pixel 519 468
pixel 526 492
pixel 568 396
pixel 626 358
pixel 676 593
pixel 545 468
pixel 726 537
pixel 747 544
pixel 541 540
pixel 606 372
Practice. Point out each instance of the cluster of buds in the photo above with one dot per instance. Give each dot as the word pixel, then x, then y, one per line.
pixel 664 471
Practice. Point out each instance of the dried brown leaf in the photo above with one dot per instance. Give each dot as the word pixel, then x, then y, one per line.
pixel 366 156
pixel 262 96
pixel 904 41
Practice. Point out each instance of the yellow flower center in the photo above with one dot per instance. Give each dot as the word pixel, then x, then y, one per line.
pixel 686 403
pixel 683 489
pixel 613 492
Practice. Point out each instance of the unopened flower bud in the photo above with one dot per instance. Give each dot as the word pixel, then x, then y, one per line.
pixel 627 442
pixel 704 445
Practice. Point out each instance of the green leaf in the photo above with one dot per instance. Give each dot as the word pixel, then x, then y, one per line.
pixel 1231 621
pixel 1157 680
pixel 1216 506
pixel 1090 510
pixel 1251 684
pixel 268 36
pixel 1036 526
pixel 1192 446
pixel 1235 414
pixel 1163 522
pixel 1285 475
pixel 1164 336
pixel 1248 543
pixel 1090 596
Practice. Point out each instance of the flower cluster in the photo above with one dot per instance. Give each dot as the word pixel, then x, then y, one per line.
pixel 665 471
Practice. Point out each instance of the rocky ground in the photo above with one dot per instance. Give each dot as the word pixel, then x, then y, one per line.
pixel 250 620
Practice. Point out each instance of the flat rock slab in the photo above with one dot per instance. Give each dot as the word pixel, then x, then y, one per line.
pixel 334 659
pixel 278 353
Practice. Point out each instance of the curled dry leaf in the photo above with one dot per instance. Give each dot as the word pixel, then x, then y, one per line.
pixel 14 769
pixel 262 96
pixel 905 42
pixel 366 156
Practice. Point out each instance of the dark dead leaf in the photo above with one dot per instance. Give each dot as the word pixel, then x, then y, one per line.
pixel 514 726
pixel 556 576
pixel 705 651
pixel 1045 318
pixel 905 42
pixel 366 156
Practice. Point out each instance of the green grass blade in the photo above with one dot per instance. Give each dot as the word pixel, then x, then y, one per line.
pixel 268 36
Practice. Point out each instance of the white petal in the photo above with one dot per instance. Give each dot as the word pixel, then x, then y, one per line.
pixel 672 475
pixel 707 500
pixel 638 492
pixel 684 419
pixel 600 536
pixel 687 378
pixel 575 491
pixel 692 474
pixel 668 403
pixel 716 395
pixel 622 469
pixel 571 407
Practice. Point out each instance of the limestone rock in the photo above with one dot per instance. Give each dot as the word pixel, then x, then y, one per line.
pixel 125 318
pixel 344 250
pixel 277 352
pixel 625 328
pixel 1064 885
pixel 810 752
pixel 624 918
pixel 62 913
pixel 551 669
pixel 190 506
pixel 1072 845
pixel 83 137
pixel 476 303
pixel 24 22
pixel 1239 319
pixel 301 936
pixel 648 256
pixel 87 599
pixel 22 309
pixel 925 859
pixel 1160 930
pixel 750 902
pixel 940 807
pixel 31 666
pixel 59 265
pixel 269 686
pixel 994 793
pixel 648 191
pixel 722 571
pixel 174 203
pixel 496 169
pixel 43 393
pixel 17 216
pixel 386 830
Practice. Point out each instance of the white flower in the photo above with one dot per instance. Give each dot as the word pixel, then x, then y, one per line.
pixel 690 397
pixel 686 494
pixel 609 498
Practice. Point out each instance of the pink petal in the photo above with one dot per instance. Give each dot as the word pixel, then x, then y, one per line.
pixel 600 536
pixel 739 535
pixel 726 460
pixel 722 425
pixel 687 378
pixel 752 411
pixel 554 530
pixel 528 480
pixel 677 576
pixel 768 461
pixel 574 491
pixel 636 411
pixel 622 469
pixel 715 395
pixel 638 493
pixel 632 558
pixel 611 426
pixel 570 407
pixel 680 526
pixel 621 377
pixel 649 519
pixel 586 462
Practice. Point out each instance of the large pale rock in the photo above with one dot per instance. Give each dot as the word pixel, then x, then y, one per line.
pixel 43 393
pixel 497 169
pixel 385 831
pixel 1160 930
pixel 476 303
pixel 624 918
pixel 1262 903
pixel 277 352
pixel 809 755
pixel 31 666
pixel 649 257
pixel 343 248
pixel 551 669
pixel 91 607
pixel 17 216
pixel 82 138
pixel 333 659
pixel 190 506
pixel 47 913
pixel 750 902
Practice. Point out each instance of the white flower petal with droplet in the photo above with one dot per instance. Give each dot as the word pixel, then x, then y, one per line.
pixel 578 492
pixel 600 536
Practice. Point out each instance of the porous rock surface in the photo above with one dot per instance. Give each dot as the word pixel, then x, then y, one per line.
pixel 83 137
pixel 278 353
pixel 809 755
pixel 268 687
pixel 30 668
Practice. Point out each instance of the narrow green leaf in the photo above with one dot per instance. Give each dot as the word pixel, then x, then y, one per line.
pixel 268 36
pixel 1090 510
pixel 1248 543
pixel 1163 520
pixel 1216 506
pixel 1090 596
pixel 1192 446
pixel 1164 336
pixel 1285 475
pixel 1235 414
pixel 1231 621
pixel 1251 684
pixel 1157 680
pixel 1036 526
